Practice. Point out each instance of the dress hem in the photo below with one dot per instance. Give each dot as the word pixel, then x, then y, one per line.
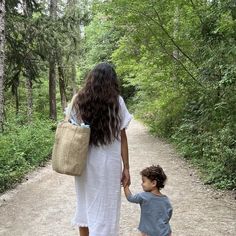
pixel 79 224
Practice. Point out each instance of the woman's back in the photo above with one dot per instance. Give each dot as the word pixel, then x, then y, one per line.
pixel 98 189
pixel 97 104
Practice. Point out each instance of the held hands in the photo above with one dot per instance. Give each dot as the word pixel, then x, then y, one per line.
pixel 125 180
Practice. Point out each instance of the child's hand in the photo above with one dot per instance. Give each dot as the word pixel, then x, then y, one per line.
pixel 126 187
pixel 125 178
pixel 127 191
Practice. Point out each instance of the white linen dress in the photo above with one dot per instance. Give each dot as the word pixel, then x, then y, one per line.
pixel 98 189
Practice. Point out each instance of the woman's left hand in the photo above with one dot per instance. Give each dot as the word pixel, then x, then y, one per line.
pixel 125 177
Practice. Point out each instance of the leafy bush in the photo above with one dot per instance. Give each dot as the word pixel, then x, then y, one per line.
pixel 213 152
pixel 201 125
pixel 23 147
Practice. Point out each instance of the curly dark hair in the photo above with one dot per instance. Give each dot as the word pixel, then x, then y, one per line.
pixel 155 173
pixel 97 104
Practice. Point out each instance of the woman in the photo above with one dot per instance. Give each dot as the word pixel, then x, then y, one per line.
pixel 98 189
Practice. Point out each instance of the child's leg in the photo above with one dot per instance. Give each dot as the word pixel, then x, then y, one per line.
pixel 83 231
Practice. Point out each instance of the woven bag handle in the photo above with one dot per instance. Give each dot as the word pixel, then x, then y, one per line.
pixel 70 105
pixel 69 108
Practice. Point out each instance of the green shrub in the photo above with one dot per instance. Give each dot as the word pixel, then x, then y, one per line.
pixel 162 115
pixel 214 152
pixel 202 126
pixel 23 147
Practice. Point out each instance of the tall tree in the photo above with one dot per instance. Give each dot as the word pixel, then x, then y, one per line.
pixel 52 67
pixel 22 49
pixel 71 5
pixel 176 54
pixel 61 78
pixel 28 78
pixel 2 58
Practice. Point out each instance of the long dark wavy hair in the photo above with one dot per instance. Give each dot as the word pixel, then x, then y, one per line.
pixel 97 104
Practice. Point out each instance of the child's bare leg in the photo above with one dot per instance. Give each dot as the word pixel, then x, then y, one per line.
pixel 83 231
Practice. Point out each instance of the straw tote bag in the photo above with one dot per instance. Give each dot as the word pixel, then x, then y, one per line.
pixel 70 148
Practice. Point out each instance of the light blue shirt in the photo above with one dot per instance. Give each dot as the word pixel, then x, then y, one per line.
pixel 156 212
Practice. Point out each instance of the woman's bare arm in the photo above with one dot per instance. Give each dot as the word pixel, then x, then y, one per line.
pixel 125 158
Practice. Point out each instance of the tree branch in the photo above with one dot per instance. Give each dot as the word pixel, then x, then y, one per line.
pixel 166 32
pixel 169 36
pixel 176 59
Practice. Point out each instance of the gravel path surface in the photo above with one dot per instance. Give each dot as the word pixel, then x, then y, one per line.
pixel 44 205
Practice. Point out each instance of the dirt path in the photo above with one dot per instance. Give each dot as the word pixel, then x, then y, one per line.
pixel 44 205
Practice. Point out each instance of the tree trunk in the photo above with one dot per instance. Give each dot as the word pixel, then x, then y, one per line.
pixel 176 53
pixel 29 88
pixel 52 87
pixel 2 60
pixel 29 80
pixel 73 77
pixel 62 86
pixel 16 98
pixel 52 68
pixel 71 4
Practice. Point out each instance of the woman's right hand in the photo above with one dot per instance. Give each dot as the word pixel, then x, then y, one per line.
pixel 125 178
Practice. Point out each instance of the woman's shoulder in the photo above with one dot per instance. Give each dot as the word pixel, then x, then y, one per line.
pixel 121 101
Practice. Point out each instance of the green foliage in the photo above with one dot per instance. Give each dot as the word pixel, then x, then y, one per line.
pixel 23 147
pixel 98 44
pixel 213 151
pixel 175 60
pixel 32 36
pixel 179 57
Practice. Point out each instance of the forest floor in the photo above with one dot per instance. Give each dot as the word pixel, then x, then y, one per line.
pixel 44 204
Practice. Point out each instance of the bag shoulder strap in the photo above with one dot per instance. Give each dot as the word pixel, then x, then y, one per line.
pixel 70 105
pixel 69 108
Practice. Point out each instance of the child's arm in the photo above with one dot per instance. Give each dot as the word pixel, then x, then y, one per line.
pixel 127 191
pixel 137 198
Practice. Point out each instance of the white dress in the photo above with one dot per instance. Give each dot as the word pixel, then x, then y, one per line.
pixel 98 189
